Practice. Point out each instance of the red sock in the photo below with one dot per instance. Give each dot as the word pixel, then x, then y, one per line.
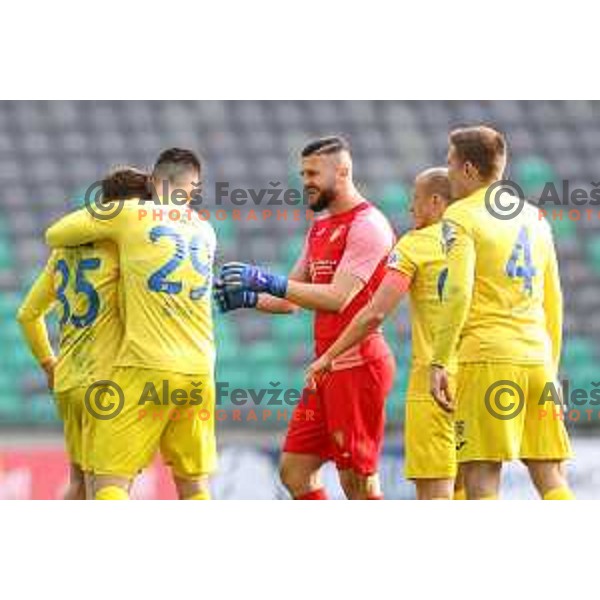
pixel 314 495
pixel 375 497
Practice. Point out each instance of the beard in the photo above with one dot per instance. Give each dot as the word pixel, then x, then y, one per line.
pixel 323 200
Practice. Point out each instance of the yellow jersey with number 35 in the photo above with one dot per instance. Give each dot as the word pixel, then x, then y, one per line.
pixel 165 282
pixel 504 301
pixel 82 285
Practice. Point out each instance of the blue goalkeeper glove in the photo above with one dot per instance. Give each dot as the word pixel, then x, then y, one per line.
pixel 232 300
pixel 239 276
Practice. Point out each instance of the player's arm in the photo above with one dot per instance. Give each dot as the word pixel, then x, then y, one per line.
pixel 332 297
pixel 232 299
pixel 37 303
pixel 455 309
pixel 385 300
pixel 300 293
pixel 459 286
pixel 80 227
pixel 365 247
pixel 553 306
pixel 271 304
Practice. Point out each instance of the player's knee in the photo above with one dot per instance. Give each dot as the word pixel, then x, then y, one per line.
pixel 546 475
pixel 482 479
pixel 109 487
pixel 289 477
pixel 350 485
pixel 111 492
pixel 434 489
pixel 294 479
pixel 195 488
pixel 76 488
pixel 75 491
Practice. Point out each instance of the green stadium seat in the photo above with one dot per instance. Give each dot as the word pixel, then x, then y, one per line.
pixel 226 337
pixel 291 251
pixel 9 304
pixel 583 373
pixel 42 409
pixel 395 200
pixel 593 253
pixel 564 228
pixel 579 363
pixel 292 328
pixel 533 173
pixel 227 350
pixel 265 354
pixel 578 350
pixel 6 257
pixel 11 409
pixel 225 230
pixel 17 355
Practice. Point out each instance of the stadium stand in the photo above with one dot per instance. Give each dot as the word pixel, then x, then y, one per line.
pixel 51 151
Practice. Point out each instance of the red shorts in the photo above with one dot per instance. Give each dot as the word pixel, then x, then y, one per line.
pixel 343 419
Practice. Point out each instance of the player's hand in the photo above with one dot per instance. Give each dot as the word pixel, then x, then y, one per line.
pixel 240 276
pixel 316 370
pixel 440 388
pixel 232 300
pixel 49 365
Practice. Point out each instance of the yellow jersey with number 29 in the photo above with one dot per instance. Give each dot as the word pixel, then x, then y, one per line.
pixel 165 279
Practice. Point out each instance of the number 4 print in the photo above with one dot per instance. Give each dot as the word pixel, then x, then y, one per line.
pixel 525 270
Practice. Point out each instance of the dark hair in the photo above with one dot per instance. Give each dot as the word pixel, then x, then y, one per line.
pixel 175 157
pixel 483 147
pixel 126 182
pixel 326 145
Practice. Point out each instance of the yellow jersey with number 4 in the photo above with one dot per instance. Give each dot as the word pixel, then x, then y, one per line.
pixel 165 280
pixel 504 301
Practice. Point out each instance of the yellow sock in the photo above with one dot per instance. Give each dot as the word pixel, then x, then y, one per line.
pixel 490 497
pixel 112 492
pixel 200 496
pixel 460 494
pixel 561 493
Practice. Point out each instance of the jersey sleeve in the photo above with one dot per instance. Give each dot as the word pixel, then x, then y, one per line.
pixel 369 241
pixel 37 303
pixel 80 227
pixel 460 250
pixel 553 305
pixel 402 258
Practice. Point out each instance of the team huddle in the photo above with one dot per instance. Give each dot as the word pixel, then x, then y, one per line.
pixel 135 296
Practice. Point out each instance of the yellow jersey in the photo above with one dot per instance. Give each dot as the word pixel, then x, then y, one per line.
pixel 165 282
pixel 504 300
pixel 82 285
pixel 420 256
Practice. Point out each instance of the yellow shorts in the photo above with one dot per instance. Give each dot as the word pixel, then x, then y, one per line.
pixel 429 443
pixel 499 417
pixel 157 410
pixel 70 409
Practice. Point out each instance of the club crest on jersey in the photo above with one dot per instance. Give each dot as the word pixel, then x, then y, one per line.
pixel 337 232
pixel 394 258
pixel 448 236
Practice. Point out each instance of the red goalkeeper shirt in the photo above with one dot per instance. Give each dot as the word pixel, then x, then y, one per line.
pixel 357 242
